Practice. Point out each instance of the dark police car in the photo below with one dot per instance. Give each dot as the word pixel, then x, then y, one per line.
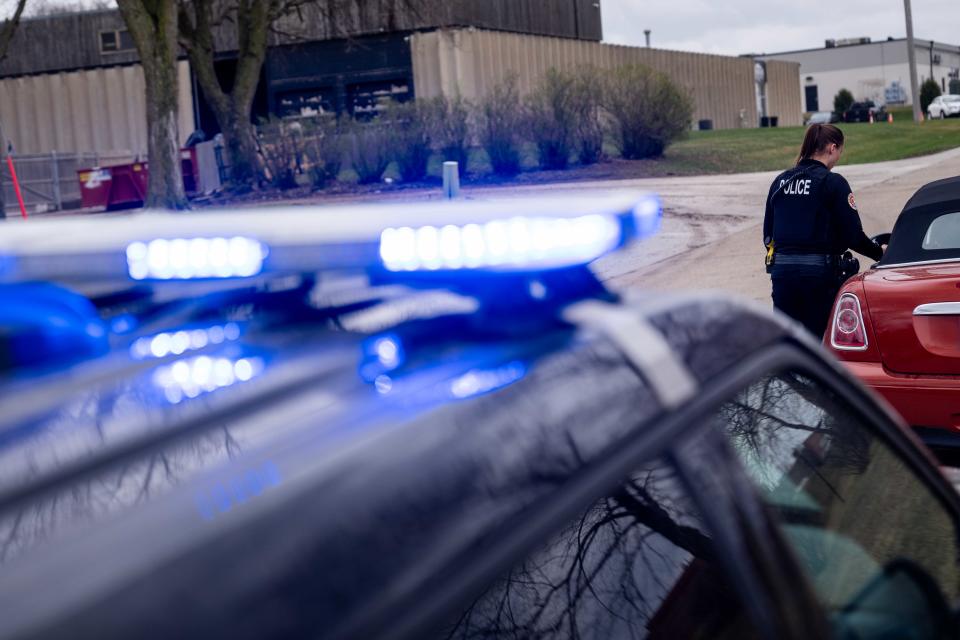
pixel 433 421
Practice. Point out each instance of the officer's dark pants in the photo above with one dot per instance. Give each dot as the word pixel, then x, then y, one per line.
pixel 806 295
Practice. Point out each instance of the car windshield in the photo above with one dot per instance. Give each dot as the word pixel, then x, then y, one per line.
pixel 951 98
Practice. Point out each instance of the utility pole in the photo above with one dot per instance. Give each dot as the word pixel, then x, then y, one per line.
pixel 912 61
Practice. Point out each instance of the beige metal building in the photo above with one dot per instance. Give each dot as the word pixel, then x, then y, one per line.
pixel 724 88
pixel 97 110
pixel 71 84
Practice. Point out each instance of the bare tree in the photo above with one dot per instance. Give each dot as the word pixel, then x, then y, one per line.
pixel 198 19
pixel 8 27
pixel 254 22
pixel 153 27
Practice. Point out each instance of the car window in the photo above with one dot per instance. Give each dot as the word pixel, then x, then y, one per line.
pixel 943 233
pixel 866 529
pixel 638 564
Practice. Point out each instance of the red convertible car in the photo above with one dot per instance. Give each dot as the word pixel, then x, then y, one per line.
pixel 897 325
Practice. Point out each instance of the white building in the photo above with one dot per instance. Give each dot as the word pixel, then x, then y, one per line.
pixel 877 71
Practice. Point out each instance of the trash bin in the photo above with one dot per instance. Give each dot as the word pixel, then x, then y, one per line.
pixel 773 120
pixel 764 121
pixel 705 125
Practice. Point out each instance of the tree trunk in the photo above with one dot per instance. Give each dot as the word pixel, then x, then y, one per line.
pixel 241 144
pixel 153 26
pixel 232 109
pixel 8 28
pixel 165 190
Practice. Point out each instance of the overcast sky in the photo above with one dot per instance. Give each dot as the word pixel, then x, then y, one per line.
pixel 757 26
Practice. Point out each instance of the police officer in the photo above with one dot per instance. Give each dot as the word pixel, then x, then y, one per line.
pixel 810 220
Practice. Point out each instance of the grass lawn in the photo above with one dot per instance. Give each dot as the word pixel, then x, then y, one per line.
pixel 741 150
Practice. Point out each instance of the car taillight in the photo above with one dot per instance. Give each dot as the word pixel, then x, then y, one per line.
pixel 847 332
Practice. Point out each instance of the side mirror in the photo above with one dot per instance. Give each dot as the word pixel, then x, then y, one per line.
pixel 902 602
pixel 881 238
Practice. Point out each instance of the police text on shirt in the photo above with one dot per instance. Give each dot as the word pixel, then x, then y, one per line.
pixel 796 187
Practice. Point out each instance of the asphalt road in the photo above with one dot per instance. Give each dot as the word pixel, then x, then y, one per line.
pixel 713 225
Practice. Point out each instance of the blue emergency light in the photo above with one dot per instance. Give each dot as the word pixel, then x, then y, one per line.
pixel 490 250
pixel 517 235
pixel 168 343
pixel 190 377
pixel 185 259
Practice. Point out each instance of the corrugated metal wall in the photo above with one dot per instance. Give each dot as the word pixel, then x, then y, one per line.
pixel 563 18
pixel 100 110
pixel 783 92
pixel 472 61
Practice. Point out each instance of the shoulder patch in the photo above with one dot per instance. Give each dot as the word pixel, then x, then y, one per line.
pixel 851 201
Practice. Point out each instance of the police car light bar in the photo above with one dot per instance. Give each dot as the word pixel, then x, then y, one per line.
pixel 186 259
pixel 520 234
pixel 513 243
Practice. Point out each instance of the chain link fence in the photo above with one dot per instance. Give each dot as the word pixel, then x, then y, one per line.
pixel 48 182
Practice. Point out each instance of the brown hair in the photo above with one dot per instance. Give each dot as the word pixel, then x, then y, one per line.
pixel 817 138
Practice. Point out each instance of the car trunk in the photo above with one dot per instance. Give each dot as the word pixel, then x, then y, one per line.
pixel 915 313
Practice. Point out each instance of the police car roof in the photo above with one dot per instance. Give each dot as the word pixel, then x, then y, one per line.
pixel 186 451
pixel 380 458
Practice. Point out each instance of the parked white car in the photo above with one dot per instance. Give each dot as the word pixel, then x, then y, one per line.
pixel 944 107
pixel 822 117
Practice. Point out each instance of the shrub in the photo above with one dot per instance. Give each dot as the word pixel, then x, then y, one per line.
pixel 282 147
pixel 325 147
pixel 368 146
pixel 928 91
pixel 408 136
pixel 842 101
pixel 647 110
pixel 448 120
pixel 588 93
pixel 552 119
pixel 499 119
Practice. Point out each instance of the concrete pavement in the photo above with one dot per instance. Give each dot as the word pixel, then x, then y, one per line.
pixel 712 236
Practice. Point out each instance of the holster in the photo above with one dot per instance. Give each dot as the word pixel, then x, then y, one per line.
pixel 847 267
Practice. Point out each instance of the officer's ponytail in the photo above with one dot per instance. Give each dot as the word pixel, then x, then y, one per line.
pixel 817 138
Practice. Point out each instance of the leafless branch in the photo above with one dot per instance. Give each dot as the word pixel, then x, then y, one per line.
pixel 8 28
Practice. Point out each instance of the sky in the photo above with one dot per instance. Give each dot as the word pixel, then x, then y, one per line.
pixel 734 27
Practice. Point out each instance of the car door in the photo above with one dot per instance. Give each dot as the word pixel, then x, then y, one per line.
pixel 914 306
pixel 867 516
pixel 682 530
pixel 647 559
pixel 660 537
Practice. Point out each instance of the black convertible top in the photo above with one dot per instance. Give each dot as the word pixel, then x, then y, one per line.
pixel 926 205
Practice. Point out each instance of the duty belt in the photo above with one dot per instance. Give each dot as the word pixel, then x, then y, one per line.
pixel 805 259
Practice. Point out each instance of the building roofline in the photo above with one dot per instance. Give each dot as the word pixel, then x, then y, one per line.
pixel 916 42
pixel 69 14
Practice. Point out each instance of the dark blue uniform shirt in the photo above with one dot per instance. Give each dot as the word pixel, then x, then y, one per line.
pixel 810 209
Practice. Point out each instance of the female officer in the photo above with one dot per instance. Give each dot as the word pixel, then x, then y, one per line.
pixel 811 219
